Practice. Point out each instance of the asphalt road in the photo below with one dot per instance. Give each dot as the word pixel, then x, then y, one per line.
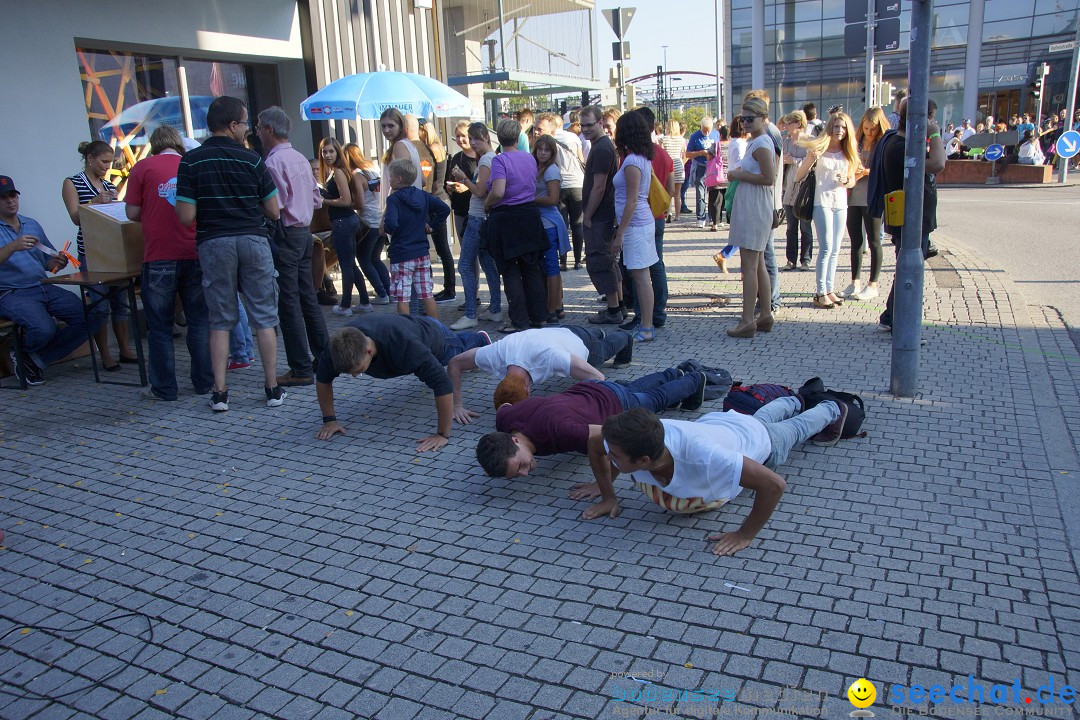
pixel 1030 232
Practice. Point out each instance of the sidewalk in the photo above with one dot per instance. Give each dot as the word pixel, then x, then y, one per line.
pixel 163 561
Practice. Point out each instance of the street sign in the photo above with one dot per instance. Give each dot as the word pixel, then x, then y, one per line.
pixel 985 139
pixel 855 10
pixel 886 37
pixel 619 19
pixel 994 152
pixel 1062 46
pixel 1068 144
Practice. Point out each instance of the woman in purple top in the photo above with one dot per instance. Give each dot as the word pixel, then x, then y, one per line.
pixel 636 234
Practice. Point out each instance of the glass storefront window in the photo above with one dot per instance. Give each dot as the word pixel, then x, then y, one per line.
pixel 1054 25
pixel 1007 30
pixel 1008 9
pixel 742 18
pixel 832 8
pixel 950 25
pixel 832 37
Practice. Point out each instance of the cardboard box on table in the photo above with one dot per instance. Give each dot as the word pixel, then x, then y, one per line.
pixel 113 243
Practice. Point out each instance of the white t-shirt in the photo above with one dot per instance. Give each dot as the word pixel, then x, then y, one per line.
pixel 829 192
pixel 708 454
pixel 543 353
pixel 573 171
pixel 476 204
pixel 965 133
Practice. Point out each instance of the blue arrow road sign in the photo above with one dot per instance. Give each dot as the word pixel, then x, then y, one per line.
pixel 1068 144
pixel 994 152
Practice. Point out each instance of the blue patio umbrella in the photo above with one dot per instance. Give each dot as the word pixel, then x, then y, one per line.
pixel 145 117
pixel 367 95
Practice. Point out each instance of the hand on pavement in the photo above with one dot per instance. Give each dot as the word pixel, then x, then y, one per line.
pixel 330 429
pixel 464 416
pixel 431 442
pixel 604 507
pixel 585 491
pixel 729 543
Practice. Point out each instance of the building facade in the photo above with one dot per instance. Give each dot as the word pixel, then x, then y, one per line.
pixel 983 59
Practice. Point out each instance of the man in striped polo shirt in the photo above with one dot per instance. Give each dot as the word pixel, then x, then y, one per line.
pixel 227 189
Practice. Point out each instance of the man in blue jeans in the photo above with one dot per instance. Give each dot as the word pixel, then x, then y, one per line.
pixel 697 149
pixel 25 255
pixel 170 268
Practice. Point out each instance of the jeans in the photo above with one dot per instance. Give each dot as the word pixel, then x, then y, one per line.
pixel 345 243
pixel 526 289
pixel 697 179
pixel 799 252
pixel 241 345
pixel 34 308
pixel 658 277
pixel 571 200
pixel 457 342
pixel 829 226
pixel 368 255
pixel 787 427
pixel 117 305
pixel 162 280
pixel 858 221
pixel 655 392
pixel 467 266
pixel 441 239
pixel 600 344
pixel 303 327
pixel 769 258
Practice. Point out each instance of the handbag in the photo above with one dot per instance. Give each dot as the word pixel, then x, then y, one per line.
pixel 659 199
pixel 804 196
pixel 779 217
pixel 729 197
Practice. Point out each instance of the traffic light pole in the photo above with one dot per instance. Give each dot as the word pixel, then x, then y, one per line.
pixel 1063 164
pixel 871 17
pixel 908 283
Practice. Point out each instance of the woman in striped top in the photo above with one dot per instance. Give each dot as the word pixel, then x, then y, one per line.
pixel 91 187
pixel 675 145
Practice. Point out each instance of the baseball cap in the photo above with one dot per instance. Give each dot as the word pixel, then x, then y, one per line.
pixel 7 186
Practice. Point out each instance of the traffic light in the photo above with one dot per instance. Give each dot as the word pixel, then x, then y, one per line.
pixel 562 108
pixel 862 98
pixel 1035 89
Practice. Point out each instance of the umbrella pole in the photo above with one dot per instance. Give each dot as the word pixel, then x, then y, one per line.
pixel 185 103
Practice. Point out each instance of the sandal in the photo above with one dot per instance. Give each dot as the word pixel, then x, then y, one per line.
pixel 823 301
pixel 129 360
pixel 836 300
pixel 111 368
pixel 644 335
pixel 721 261
pixel 509 328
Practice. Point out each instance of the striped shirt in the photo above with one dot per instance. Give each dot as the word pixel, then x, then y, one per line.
pixel 227 184
pixel 86 192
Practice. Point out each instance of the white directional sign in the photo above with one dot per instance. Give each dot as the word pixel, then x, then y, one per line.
pixel 1062 46
pixel 1068 144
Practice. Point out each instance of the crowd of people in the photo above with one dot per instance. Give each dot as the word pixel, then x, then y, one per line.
pixel 228 243
pixel 1035 145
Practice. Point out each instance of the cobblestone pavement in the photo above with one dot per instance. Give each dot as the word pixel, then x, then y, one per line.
pixel 163 561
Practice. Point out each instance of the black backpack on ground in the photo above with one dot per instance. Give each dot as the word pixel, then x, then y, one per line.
pixel 813 392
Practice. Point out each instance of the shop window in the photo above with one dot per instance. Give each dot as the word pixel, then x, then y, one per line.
pixel 950 25
pixel 1007 10
pixel 1007 30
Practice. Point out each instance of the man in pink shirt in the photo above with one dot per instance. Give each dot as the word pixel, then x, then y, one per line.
pixel 303 328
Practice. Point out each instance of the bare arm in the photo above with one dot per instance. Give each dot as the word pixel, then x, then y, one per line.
pixel 596 196
pixel 804 167
pixel 554 187
pixel 359 183
pixel 581 370
pixel 134 212
pixel 495 195
pixel 444 406
pixel 185 212
pixel 325 393
pixel 342 182
pixel 400 152
pixel 633 185
pixel 605 475
pixel 71 200
pixel 270 208
pixel 935 162
pixel 459 364
pixel 768 488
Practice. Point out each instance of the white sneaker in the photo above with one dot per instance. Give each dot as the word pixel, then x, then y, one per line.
pixel 701 223
pixel 381 300
pixel 492 316
pixel 850 291
pixel 465 323
pixel 342 311
pixel 363 308
pixel 868 293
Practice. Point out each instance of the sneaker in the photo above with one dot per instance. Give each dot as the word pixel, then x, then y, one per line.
pixel 698 397
pixel 342 311
pixel 149 394
pixel 883 327
pixel 238 364
pixel 486 338
pixel 492 316
pixel 381 300
pixel 365 308
pixel 275 397
pixel 290 380
pixel 606 317
pixel 444 296
pixel 219 401
pixel 790 266
pixel 805 267
pixel 623 357
pixel 867 293
pixel 26 371
pixel 851 291
pixel 831 434
pixel 465 323
pixel 701 224
pixel 631 324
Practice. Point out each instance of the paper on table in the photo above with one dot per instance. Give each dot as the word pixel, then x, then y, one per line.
pixel 115 210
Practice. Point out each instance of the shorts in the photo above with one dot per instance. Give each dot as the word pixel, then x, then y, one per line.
pixel 639 247
pixel 244 263
pixel 411 276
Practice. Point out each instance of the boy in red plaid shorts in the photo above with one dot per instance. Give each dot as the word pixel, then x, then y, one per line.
pixel 410 213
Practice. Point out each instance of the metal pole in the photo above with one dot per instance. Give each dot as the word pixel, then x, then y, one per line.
pixel 619 89
pixel 1042 96
pixel 718 8
pixel 185 101
pixel 908 283
pixel 1063 164
pixel 871 17
pixel 502 37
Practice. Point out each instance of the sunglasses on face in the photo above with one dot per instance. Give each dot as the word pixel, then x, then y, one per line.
pixel 747 119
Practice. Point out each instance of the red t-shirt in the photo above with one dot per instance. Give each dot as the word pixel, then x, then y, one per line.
pixel 662 166
pixel 152 186
pixel 560 423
